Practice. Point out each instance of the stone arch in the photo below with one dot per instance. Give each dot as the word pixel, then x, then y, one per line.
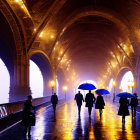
pixel 15 27
pixel 103 12
pixel 120 74
pixel 46 69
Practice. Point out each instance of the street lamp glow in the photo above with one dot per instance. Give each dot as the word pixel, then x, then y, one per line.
pixel 65 88
pixel 113 84
pixel 52 84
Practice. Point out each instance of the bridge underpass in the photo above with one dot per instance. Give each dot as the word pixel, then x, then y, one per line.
pixel 68 42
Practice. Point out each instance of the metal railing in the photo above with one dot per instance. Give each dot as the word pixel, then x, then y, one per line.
pixel 14 107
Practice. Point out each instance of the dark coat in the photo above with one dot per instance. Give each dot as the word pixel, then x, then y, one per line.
pixel 123 109
pixel 99 102
pixel 28 118
pixel 79 98
pixel 134 102
pixel 90 99
pixel 54 99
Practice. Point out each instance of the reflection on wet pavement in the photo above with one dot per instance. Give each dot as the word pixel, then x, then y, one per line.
pixel 66 125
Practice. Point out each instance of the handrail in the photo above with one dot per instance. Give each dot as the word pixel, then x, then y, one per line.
pixel 14 107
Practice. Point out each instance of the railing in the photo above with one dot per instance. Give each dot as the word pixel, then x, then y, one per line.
pixel 14 107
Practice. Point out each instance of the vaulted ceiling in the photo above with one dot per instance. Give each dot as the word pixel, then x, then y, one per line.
pixel 90 38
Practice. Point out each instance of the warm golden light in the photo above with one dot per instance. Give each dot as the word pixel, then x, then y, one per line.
pixel 65 88
pixel 52 84
pixel 113 84
pixel 52 36
pixel 41 34
pixel 132 83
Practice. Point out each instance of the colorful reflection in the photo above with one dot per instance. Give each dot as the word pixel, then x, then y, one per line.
pixel 66 125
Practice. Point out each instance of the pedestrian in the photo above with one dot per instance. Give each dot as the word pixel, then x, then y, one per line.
pixel 123 109
pixel 100 103
pixel 90 99
pixel 79 99
pixel 28 119
pixel 134 104
pixel 54 101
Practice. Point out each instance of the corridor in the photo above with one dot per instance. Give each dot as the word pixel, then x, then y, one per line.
pixel 66 125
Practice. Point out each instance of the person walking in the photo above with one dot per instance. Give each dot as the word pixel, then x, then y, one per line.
pixel 89 99
pixel 79 99
pixel 100 103
pixel 123 109
pixel 28 119
pixel 134 104
pixel 54 101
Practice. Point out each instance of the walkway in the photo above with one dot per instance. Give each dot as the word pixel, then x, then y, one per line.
pixel 67 126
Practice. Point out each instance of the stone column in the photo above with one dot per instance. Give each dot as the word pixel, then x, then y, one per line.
pixel 19 89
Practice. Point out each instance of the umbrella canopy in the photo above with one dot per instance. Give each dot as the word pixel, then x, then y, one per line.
pixel 102 91
pixel 125 95
pixel 87 86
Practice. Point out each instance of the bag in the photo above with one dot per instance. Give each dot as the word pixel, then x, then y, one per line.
pixel 32 119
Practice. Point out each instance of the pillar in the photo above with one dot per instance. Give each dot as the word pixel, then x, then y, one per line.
pixel 19 87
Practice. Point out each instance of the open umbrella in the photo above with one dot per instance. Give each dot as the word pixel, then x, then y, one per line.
pixel 125 95
pixel 87 86
pixel 102 91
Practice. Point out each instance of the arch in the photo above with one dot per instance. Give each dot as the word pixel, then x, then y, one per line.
pixel 94 11
pixel 45 67
pixel 14 25
pixel 4 83
pixel 120 74
pixel 36 80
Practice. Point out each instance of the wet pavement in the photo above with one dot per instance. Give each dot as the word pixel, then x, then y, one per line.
pixel 66 125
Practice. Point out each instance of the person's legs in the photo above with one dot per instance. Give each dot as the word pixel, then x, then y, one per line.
pixel 123 119
pixel 89 110
pixel 100 111
pixel 79 109
pixel 29 131
pixel 134 111
pixel 54 107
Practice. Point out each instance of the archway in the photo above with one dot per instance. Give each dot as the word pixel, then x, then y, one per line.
pixel 44 66
pixel 36 80
pixel 125 81
pixel 4 83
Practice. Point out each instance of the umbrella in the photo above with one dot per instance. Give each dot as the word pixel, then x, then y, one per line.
pixel 125 95
pixel 102 91
pixel 87 86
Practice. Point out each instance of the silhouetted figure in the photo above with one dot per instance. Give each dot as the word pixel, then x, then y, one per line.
pixel 134 104
pixel 54 101
pixel 79 99
pixel 28 119
pixel 100 104
pixel 123 109
pixel 90 99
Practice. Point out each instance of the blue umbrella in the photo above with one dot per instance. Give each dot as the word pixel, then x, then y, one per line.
pixel 87 86
pixel 125 95
pixel 102 91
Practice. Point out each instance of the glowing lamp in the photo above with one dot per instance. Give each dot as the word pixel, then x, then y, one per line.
pixel 113 84
pixel 65 88
pixel 52 84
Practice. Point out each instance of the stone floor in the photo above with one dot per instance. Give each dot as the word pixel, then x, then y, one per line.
pixel 66 125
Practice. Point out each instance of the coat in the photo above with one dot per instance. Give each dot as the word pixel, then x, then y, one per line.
pixel 134 102
pixel 28 118
pixel 79 98
pixel 54 99
pixel 90 99
pixel 99 102
pixel 123 109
